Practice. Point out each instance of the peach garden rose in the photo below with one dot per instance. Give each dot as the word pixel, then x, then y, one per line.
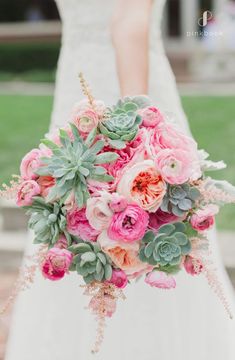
pixel 143 184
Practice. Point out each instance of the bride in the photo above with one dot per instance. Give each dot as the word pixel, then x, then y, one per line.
pixel 50 322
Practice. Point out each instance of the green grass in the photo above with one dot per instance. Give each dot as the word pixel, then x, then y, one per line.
pixel 24 120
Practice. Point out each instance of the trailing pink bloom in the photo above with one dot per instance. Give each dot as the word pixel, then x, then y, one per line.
pixel 160 280
pixel 56 263
pixel 193 266
pixel 26 192
pixel 105 305
pixel 119 278
pixel 129 225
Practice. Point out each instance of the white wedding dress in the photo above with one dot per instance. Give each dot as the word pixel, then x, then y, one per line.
pixel 50 322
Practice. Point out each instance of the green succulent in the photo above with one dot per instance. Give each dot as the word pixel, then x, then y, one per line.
pixel 179 199
pixel 166 247
pixel 123 121
pixel 47 221
pixel 73 163
pixel 90 262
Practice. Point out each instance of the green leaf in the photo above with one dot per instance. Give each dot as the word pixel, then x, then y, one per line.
pixel 108 271
pixel 117 144
pixel 106 157
pixel 102 258
pixel 88 257
pixel 166 229
pixel 91 137
pixel 97 147
pixel 50 144
pixel 148 251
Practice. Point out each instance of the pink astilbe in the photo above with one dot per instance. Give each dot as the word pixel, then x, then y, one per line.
pixel 26 277
pixel 9 192
pixel 210 193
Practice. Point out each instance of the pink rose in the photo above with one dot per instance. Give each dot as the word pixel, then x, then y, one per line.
pixel 30 163
pixel 174 165
pixel 123 254
pixel 85 121
pixel 204 219
pixel 129 225
pixel 56 263
pixel 78 225
pixel 151 117
pixel 107 303
pixel 119 279
pixel 160 280
pixel 144 185
pixel 45 183
pixel 27 190
pixel 98 211
pixel 159 218
pixel 193 266
pixel 62 242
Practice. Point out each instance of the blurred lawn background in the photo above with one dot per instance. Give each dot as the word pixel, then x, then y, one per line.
pixel 25 119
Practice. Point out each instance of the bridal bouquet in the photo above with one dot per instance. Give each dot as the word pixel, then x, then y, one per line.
pixel 117 194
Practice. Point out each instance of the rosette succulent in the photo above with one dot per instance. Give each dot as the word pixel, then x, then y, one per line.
pixel 167 247
pixel 123 121
pixel 90 262
pixel 73 163
pixel 47 221
pixel 179 199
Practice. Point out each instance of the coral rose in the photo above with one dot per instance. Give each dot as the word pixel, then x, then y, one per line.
pixel 143 184
pixel 129 224
pixel 204 219
pixel 124 255
pixel 160 280
pixel 45 183
pixel 26 192
pixel 56 263
pixel 78 225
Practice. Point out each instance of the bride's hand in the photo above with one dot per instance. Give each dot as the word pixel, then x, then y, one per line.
pixel 130 34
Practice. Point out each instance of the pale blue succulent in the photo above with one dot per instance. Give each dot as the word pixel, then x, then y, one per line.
pixel 166 247
pixel 73 163
pixel 123 121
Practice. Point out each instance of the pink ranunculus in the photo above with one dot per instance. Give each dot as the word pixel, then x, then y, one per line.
pixel 26 192
pixel 204 219
pixel 107 303
pixel 118 203
pixel 119 278
pixel 159 218
pixel 78 225
pixel 85 121
pixel 174 165
pixel 144 185
pixel 56 263
pixel 160 280
pixel 129 225
pixel 30 163
pixel 85 105
pixel 167 136
pixel 123 254
pixel 193 266
pixel 151 117
pixel 45 183
pixel 98 211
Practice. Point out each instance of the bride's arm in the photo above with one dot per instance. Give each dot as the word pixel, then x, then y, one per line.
pixel 130 33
